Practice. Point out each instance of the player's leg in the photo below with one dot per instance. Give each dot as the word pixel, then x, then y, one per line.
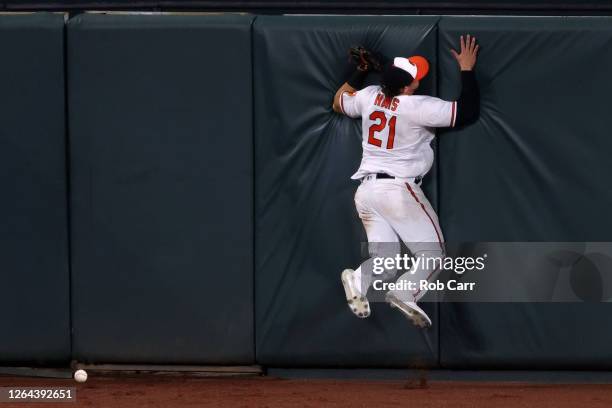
pixel 428 241
pixel 382 242
pixel 415 221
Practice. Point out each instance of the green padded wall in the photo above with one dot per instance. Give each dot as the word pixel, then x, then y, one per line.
pixel 162 188
pixel 193 243
pixel 34 290
pixel 535 167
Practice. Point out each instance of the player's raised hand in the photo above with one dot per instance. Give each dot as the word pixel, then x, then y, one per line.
pixel 467 56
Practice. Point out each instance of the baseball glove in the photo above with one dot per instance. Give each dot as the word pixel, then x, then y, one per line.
pixel 366 60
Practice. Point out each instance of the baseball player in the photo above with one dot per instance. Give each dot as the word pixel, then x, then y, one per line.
pixel 398 127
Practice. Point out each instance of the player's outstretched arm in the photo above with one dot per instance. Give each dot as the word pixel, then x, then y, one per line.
pixel 468 104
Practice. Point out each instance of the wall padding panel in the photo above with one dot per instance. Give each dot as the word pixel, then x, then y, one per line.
pixel 535 167
pixel 307 229
pixel 34 291
pixel 162 188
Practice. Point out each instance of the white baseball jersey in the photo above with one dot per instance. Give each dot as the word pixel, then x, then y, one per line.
pixel 397 132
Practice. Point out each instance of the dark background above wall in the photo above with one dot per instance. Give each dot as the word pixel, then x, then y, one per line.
pixel 550 7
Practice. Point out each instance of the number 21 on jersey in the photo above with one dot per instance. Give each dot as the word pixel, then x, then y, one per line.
pixel 381 122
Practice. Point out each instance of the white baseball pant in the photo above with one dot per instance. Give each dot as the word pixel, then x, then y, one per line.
pixel 394 209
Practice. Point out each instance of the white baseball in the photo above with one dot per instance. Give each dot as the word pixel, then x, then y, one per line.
pixel 80 376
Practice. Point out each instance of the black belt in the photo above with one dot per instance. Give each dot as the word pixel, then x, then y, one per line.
pixel 417 179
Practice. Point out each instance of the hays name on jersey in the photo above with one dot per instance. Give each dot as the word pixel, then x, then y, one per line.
pixel 385 102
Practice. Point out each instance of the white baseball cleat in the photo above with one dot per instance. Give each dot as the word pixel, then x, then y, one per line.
pixel 409 309
pixel 357 302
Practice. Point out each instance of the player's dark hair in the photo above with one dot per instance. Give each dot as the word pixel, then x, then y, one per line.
pixel 393 80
